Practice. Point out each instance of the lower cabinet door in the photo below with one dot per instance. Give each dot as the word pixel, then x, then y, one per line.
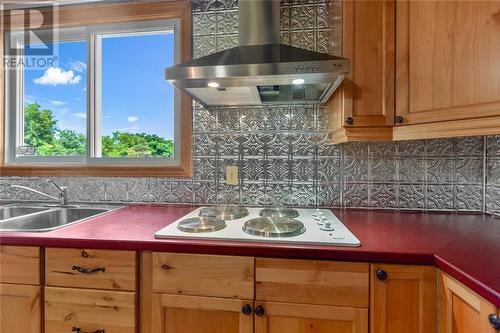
pixel 20 308
pixel 193 314
pixel 461 310
pixel 84 310
pixel 272 317
pixel 402 299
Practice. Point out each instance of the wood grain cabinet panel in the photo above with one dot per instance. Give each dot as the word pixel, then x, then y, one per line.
pixel 194 314
pixel 306 318
pixel 88 268
pixel 403 299
pixel 19 264
pixel 89 310
pixel 203 275
pixel 447 68
pixel 363 107
pixel 461 310
pixel 20 308
pixel 312 282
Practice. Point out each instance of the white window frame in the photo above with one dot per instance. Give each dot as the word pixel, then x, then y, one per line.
pixel 14 93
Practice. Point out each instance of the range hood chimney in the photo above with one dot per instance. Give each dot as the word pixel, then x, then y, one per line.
pixel 259 22
pixel 260 70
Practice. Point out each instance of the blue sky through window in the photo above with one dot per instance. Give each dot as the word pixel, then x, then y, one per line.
pixel 135 96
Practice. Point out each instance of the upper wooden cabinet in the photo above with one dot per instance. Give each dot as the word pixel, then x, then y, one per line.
pixel 419 69
pixel 461 310
pixel 363 108
pixel 403 299
pixel 447 68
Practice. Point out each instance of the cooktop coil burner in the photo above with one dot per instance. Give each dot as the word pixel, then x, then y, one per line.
pixel 224 212
pixel 273 227
pixel 279 212
pixel 201 224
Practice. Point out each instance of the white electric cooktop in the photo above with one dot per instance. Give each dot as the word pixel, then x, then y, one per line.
pixel 301 226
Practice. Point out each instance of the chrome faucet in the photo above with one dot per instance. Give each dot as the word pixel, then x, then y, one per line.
pixel 62 192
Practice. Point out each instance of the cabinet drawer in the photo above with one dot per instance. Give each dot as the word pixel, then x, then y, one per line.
pixel 95 269
pixel 19 264
pixel 203 275
pixel 89 310
pixel 312 282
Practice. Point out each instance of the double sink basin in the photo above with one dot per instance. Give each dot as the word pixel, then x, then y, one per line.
pixel 42 218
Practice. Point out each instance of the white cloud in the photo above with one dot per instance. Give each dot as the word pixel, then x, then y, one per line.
pixel 84 89
pixel 132 119
pixel 80 115
pixel 56 102
pixel 63 111
pixel 78 66
pixel 55 75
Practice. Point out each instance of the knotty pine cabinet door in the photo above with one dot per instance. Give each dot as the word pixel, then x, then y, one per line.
pixel 363 107
pixel 20 308
pixel 447 68
pixel 461 310
pixel 403 299
pixel 273 317
pixel 195 314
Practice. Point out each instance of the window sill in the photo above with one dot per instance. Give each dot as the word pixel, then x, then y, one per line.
pixel 184 170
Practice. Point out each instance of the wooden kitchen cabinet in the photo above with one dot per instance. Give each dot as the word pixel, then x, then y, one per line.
pixel 461 310
pixel 447 68
pixel 195 314
pixel 68 309
pixel 20 264
pixel 192 293
pixel 203 275
pixel 90 268
pixel 20 308
pixel 302 318
pixel 403 299
pixel 298 296
pixel 363 107
pixel 20 291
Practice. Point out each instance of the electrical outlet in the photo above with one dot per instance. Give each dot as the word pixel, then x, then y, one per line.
pixel 232 175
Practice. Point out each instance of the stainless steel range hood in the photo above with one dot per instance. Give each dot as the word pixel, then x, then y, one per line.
pixel 260 70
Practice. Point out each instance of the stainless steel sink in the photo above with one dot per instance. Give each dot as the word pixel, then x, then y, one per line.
pixel 8 212
pixel 51 218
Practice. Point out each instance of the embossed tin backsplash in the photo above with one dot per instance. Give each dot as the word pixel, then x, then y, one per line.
pixel 284 154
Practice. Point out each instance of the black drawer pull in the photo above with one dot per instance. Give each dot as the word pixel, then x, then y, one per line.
pixel 79 330
pixel 88 270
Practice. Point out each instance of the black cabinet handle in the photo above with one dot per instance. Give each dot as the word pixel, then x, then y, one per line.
pixel 88 270
pixel 398 120
pixel 246 309
pixel 382 275
pixel 259 311
pixel 349 120
pixel 79 330
pixel 494 321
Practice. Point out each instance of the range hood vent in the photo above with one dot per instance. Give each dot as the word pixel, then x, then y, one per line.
pixel 260 70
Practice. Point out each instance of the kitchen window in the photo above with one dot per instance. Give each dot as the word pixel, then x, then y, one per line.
pixel 104 105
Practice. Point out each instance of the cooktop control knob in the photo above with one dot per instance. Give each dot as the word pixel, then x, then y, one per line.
pixel 327 227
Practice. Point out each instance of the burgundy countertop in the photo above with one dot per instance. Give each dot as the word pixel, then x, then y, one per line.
pixel 466 246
